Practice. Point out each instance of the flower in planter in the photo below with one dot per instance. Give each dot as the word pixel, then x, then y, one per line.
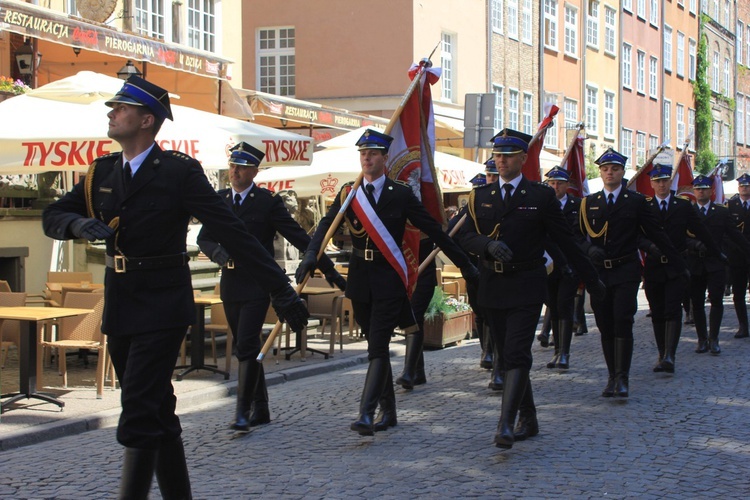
pixel 442 304
pixel 14 87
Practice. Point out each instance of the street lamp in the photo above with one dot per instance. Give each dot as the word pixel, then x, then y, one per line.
pixel 25 61
pixel 128 70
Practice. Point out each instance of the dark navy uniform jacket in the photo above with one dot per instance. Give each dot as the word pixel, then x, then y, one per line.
pixel 168 188
pixel 721 225
pixel 737 256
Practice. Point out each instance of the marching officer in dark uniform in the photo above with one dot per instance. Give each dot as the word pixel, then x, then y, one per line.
pixel 738 263
pixel 377 220
pixel 562 283
pixel 140 201
pixel 510 222
pixel 245 301
pixel 708 271
pixel 613 219
pixel 664 284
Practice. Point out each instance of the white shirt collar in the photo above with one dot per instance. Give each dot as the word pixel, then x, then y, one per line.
pixel 136 162
pixel 378 184
pixel 243 194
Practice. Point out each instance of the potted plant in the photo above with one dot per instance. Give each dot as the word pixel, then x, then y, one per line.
pixel 10 88
pixel 446 320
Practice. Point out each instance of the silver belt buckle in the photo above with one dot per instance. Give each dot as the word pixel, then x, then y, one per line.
pixel 607 264
pixel 369 254
pixel 664 259
pixel 499 267
pixel 120 261
pixel 230 264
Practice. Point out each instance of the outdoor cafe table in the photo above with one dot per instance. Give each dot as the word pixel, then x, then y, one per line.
pixel 197 341
pixel 30 316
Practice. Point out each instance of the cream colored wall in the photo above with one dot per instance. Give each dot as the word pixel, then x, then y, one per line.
pixel 22 232
pixel 603 70
pixel 231 39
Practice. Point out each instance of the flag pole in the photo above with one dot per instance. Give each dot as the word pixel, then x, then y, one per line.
pixel 423 64
pixel 646 163
pixel 682 155
pixel 568 151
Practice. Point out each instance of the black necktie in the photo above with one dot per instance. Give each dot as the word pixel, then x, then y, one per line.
pixel 610 200
pixel 744 205
pixel 237 202
pixel 703 211
pixel 663 205
pixel 127 174
pixel 508 188
pixel 370 191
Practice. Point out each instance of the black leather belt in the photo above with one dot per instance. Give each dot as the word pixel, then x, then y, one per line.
pixel 610 263
pixel 511 267
pixel 368 254
pixel 122 264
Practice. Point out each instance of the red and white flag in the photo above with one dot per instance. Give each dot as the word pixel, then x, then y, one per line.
pixel 682 181
pixel 718 196
pixel 576 167
pixel 531 168
pixel 643 181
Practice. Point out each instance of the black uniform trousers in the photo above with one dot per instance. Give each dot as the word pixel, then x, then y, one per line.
pixel 378 319
pixel 665 298
pixel 714 282
pixel 739 279
pixel 615 311
pixel 144 364
pixel 514 330
pixel 561 292
pixel 246 320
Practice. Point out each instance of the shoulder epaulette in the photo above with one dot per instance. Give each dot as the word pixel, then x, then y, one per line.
pixel 179 155
pixel 403 183
pixel 107 156
pixel 649 198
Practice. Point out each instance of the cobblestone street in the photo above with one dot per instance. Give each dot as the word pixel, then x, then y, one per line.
pixel 681 436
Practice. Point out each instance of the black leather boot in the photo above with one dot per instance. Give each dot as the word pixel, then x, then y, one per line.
pixel 742 331
pixel 608 349
pixel 377 374
pixel 413 350
pixel 713 330
pixel 543 336
pixel 566 336
pixel 673 329
pixel 137 473
pixel 247 377
pixel 171 471
pixel 701 330
pixel 623 358
pixel 420 378
pixel 387 415
pixel 556 342
pixel 487 349
pixel 260 414
pixel 515 386
pixel 660 329
pixel 527 425
pixel 579 314
pixel 496 380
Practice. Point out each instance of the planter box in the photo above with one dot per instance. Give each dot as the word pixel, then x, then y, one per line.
pixel 447 329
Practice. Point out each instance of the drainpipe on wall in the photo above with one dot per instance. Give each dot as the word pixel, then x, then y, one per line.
pixel 584 96
pixel 665 133
pixel 619 83
pixel 540 38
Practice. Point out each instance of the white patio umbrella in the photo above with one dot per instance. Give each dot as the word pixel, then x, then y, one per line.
pixel 63 126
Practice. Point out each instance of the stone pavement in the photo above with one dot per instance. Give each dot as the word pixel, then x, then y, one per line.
pixel 677 436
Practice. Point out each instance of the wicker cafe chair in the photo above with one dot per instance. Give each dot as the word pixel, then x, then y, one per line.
pixel 10 330
pixel 82 332
pixel 219 324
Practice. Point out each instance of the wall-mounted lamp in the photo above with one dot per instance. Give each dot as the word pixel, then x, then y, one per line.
pixel 76 50
pixel 25 60
pixel 128 70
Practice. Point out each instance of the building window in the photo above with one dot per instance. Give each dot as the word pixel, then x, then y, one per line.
pixel 640 148
pixel 513 109
pixel 715 73
pixel 692 6
pixel 642 9
pixel 726 76
pixel 570 108
pixel 740 119
pixel 653 82
pixel 276 64
pixel 592 109
pixel 715 137
pixel 667 128
pixel 149 18
pixel 747 120
pixel 727 17
pixel 499 105
pixel 609 114
pixel 550 139
pixel 571 31
pixel 725 140
pixel 201 29
pixel 641 72
pixel 667 49
pixel 526 30
pixel 692 50
pixel 680 54
pixel 528 114
pixel 740 31
pixel 680 126
pixel 627 5
pixel 592 24
pixel 609 30
pixel 627 65
pixel 513 19
pixel 653 143
pixel 497 16
pixel 626 145
pixel 747 45
pixel 550 24
pixel 654 13
pixel 446 62
pixel 691 128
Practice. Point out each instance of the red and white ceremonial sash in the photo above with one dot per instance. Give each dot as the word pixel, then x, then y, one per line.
pixel 380 235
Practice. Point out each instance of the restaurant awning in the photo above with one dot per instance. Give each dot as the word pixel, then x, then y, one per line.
pixel 44 24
